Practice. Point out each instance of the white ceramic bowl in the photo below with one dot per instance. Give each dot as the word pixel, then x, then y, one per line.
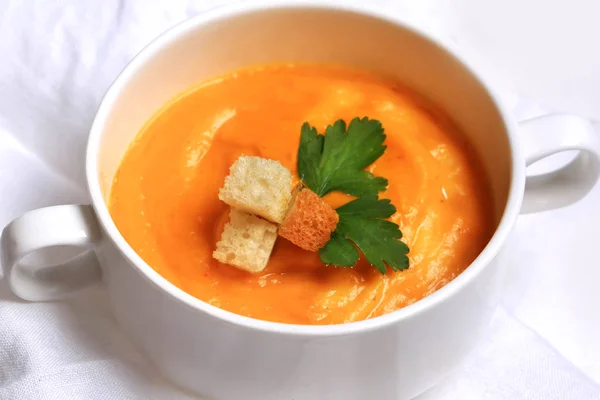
pixel 227 356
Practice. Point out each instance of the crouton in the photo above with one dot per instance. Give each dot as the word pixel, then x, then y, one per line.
pixel 309 220
pixel 246 242
pixel 258 186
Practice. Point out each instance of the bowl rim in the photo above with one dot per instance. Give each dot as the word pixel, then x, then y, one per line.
pixel 505 225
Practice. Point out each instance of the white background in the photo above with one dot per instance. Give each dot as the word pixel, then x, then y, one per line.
pixel 58 57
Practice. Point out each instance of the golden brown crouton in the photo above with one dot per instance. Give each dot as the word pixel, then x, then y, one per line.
pixel 309 221
pixel 258 186
pixel 246 242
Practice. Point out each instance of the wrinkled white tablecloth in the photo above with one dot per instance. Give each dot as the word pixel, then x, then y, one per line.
pixel 56 61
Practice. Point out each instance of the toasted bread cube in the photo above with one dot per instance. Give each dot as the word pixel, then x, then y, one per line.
pixel 309 221
pixel 246 242
pixel 258 186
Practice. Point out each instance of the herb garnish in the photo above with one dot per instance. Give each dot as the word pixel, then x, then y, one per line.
pixel 336 161
pixel 361 223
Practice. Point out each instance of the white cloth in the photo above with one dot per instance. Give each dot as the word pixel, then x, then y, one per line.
pixel 56 61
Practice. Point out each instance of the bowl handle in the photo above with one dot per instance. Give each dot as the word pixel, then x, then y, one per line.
pixel 551 134
pixel 67 225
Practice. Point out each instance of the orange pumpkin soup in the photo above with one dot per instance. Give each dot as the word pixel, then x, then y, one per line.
pixel 164 196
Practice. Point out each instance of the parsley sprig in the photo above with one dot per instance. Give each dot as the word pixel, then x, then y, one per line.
pixel 361 223
pixel 336 161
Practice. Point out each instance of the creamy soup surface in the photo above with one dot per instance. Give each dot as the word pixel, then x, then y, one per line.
pixel 164 195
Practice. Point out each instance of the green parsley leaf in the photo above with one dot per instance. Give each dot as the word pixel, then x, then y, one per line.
pixel 361 223
pixel 336 160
